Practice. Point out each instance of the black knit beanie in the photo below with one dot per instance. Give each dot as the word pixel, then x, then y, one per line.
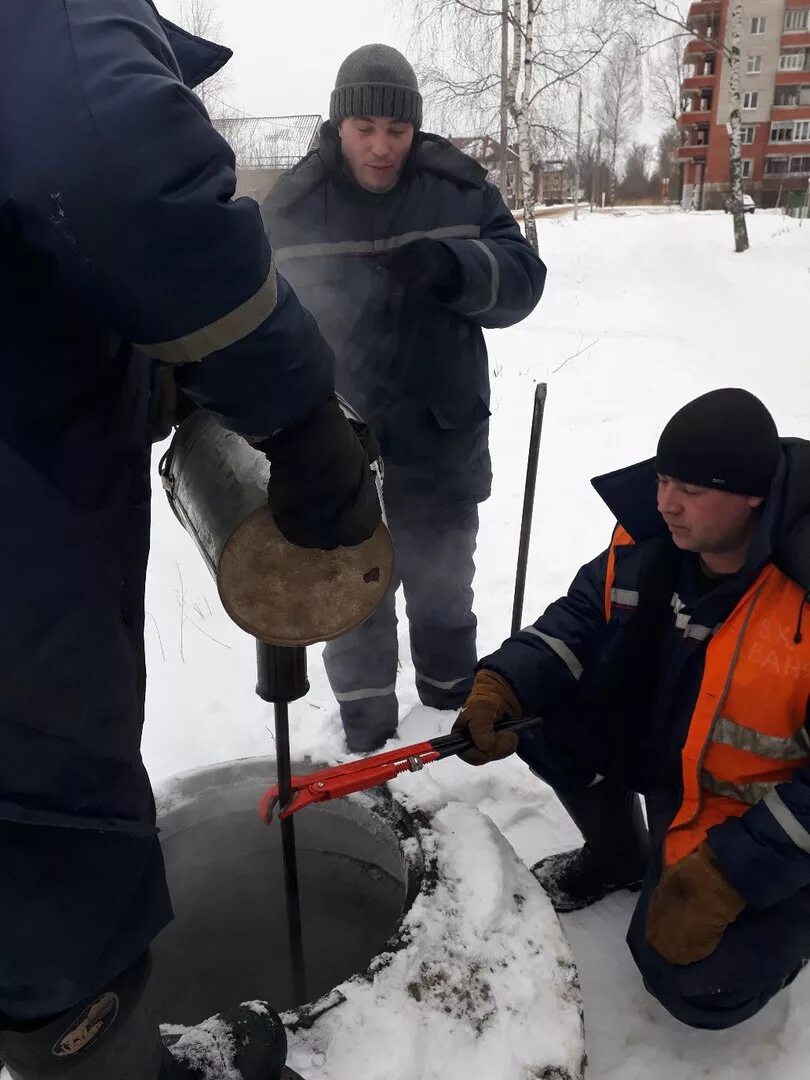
pixel 376 80
pixel 725 439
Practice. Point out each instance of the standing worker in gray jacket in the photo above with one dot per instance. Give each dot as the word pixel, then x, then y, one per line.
pixel 404 253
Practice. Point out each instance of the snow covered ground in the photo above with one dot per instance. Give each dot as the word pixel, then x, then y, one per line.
pixel 643 310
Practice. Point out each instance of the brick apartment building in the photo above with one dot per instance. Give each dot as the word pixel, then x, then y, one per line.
pixel 776 103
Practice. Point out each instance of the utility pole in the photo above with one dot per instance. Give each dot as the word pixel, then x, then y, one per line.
pixel 577 159
pixel 504 109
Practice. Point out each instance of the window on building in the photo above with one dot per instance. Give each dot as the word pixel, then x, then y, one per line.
pixel 797 18
pixel 751 99
pixel 754 65
pixel 801 131
pixel 799 164
pixel 758 24
pixel 804 95
pixel 792 60
pixel 748 134
pixel 708 66
pixel 785 96
pixel 747 163
pixel 782 131
pixel 776 166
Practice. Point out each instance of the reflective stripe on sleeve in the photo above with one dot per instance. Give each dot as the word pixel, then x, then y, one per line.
pixel 495 272
pixel 218 335
pixel 788 821
pixel 562 650
pixel 624 597
pixel 376 246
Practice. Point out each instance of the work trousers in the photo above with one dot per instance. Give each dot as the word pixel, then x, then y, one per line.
pixel 434 565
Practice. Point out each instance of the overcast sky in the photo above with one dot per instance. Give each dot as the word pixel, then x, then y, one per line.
pixel 287 52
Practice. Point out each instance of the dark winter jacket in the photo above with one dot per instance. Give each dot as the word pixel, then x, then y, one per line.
pixel 116 227
pixel 414 365
pixel 618 696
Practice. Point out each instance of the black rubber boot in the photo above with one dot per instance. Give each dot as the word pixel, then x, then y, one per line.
pixel 247 1042
pixel 615 853
pixel 112 1034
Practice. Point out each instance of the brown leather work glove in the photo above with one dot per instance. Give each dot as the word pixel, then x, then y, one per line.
pixel 491 699
pixel 691 908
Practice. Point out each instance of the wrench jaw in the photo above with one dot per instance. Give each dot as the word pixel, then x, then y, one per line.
pixel 267 805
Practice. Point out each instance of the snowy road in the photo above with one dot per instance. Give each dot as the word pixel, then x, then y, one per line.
pixel 642 312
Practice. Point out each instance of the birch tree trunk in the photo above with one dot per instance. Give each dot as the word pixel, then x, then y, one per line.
pixel 735 148
pixel 524 128
pixel 614 161
pixel 520 106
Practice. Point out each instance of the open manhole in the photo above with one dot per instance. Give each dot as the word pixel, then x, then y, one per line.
pixel 228 942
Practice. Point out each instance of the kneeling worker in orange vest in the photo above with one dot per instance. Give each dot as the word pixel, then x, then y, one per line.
pixel 678 666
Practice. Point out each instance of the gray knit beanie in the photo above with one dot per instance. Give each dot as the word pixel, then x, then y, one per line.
pixel 376 80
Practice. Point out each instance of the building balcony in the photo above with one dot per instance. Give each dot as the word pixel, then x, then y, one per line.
pixel 707 26
pixel 792 78
pixel 702 10
pixel 694 119
pixel 698 82
pixel 695 115
pixel 795 39
pixel 698 48
pixel 691 153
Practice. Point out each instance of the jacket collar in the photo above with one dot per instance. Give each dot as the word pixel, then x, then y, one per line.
pixel 429 154
pixel 783 533
pixel 197 58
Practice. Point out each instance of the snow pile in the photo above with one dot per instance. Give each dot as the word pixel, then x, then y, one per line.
pixel 483 985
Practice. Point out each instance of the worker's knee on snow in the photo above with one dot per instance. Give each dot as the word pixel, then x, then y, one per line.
pixel 713 994
pixel 715 1011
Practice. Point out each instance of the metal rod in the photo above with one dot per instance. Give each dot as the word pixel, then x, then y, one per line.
pixel 291 890
pixel 528 504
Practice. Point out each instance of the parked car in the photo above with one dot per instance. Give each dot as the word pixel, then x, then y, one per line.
pixel 749 206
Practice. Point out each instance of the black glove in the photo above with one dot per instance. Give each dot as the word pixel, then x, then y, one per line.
pixel 427 266
pixel 321 491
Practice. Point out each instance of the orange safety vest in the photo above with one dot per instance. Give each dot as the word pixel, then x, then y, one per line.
pixel 747 731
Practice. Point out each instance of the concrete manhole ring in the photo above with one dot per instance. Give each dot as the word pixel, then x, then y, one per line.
pixel 431 950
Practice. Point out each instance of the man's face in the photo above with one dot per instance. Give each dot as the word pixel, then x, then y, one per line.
pixel 375 150
pixel 706 520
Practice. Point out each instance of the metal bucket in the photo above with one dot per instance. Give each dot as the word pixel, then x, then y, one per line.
pixel 280 593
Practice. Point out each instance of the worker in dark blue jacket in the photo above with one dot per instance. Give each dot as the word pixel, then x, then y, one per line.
pixel 678 666
pixel 121 250
pixel 403 252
